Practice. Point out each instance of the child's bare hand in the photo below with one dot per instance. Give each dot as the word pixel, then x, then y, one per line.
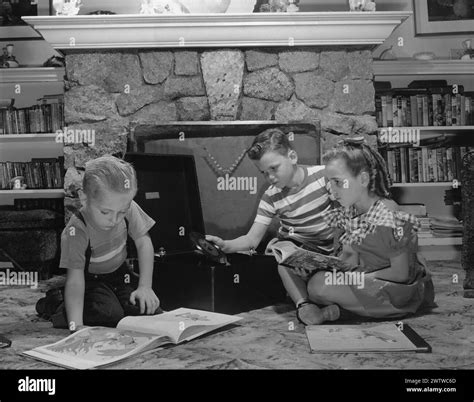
pixel 301 273
pixel 217 241
pixel 147 299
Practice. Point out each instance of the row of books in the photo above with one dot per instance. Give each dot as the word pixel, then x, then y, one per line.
pixel 45 117
pixel 40 173
pixel 408 108
pixel 423 165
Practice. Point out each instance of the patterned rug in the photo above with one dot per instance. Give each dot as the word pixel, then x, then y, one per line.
pixel 268 338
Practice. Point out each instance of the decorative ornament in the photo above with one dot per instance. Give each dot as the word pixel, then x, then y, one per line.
pixel 278 6
pixel 206 6
pixel 218 170
pixel 361 5
pixel 162 7
pixel 292 8
pixel 7 60
pixel 468 50
pixel 67 7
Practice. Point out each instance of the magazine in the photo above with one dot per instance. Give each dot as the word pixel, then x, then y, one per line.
pixel 355 338
pixel 296 258
pixel 92 347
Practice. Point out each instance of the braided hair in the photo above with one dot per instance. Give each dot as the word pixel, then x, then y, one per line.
pixel 359 156
pixel 272 139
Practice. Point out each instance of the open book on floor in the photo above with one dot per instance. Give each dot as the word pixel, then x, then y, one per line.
pixel 291 256
pixel 356 338
pixel 97 346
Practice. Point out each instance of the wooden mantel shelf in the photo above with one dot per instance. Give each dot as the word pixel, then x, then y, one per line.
pixel 423 67
pixel 32 74
pixel 217 30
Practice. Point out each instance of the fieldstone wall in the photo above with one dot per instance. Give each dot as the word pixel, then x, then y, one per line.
pixel 108 91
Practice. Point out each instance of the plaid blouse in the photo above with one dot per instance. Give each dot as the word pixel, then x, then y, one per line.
pixel 356 228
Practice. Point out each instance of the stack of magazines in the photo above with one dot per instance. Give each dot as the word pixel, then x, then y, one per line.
pixel 446 227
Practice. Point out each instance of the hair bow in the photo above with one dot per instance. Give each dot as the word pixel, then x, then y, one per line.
pixel 352 141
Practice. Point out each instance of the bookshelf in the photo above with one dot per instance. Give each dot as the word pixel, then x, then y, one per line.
pixel 26 86
pixel 400 73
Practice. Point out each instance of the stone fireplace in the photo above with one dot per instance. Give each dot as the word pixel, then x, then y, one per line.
pixel 108 92
pixel 299 67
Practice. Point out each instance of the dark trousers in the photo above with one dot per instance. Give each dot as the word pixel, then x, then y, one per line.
pixel 106 299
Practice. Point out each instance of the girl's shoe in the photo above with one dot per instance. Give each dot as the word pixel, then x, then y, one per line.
pixel 317 315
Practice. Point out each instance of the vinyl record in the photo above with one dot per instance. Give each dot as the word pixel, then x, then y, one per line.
pixel 208 248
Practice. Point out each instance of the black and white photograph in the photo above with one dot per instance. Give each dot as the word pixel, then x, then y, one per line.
pixel 237 200
pixel 434 17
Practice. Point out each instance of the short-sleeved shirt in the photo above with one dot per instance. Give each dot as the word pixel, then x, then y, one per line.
pixel 377 235
pixel 108 247
pixel 299 209
pixel 378 247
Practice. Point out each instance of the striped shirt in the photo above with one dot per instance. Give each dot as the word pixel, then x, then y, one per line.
pixel 299 210
pixel 108 247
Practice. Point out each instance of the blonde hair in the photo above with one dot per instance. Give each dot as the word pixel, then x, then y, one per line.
pixel 108 173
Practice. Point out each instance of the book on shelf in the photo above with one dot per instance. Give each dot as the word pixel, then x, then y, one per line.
pixel 93 347
pixel 386 337
pixel 45 117
pixel 40 173
pixel 300 260
pixel 424 164
pixel 431 106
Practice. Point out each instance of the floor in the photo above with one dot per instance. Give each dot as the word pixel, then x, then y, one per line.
pixel 268 338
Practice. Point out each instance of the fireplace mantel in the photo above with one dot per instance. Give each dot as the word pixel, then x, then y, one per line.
pixel 217 30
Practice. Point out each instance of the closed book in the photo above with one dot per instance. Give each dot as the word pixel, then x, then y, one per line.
pixel 433 164
pixel 463 110
pixel 413 165
pixel 368 339
pixel 378 111
pixel 425 157
pixel 414 209
pixel 454 111
pixel 448 109
pixel 420 165
pixel 396 112
pixel 403 162
pixel 389 111
pixel 419 109
pixel 440 163
pixel 398 163
pixel 438 112
pixel 414 112
pixel 449 164
pixel 407 112
pixel 384 110
pixel 425 105
pixel 457 163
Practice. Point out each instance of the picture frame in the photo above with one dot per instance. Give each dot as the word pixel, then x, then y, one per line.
pixel 431 17
pixel 12 27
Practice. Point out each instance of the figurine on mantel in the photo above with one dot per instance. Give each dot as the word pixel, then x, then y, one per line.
pixel 184 6
pixel 67 7
pixel 277 6
pixel 361 5
pixel 468 50
pixel 7 60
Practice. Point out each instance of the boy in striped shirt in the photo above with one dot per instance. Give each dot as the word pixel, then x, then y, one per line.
pixel 298 196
